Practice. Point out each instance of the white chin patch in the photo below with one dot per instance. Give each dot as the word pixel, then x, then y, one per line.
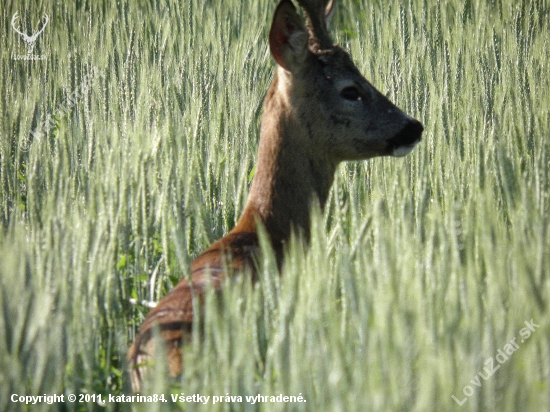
pixel 403 150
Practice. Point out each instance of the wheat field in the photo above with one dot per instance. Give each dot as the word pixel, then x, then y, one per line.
pixel 128 138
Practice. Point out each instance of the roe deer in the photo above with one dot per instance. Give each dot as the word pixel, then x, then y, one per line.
pixel 318 112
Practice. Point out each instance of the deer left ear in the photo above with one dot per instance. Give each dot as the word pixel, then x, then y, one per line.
pixel 288 37
pixel 329 11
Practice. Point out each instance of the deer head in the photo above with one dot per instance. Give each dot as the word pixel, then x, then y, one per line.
pixel 30 40
pixel 353 120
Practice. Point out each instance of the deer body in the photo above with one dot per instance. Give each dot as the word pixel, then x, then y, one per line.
pixel 318 112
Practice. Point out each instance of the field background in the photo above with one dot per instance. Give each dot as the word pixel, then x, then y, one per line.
pixel 419 270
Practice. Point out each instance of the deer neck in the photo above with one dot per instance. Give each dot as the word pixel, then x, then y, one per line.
pixel 292 172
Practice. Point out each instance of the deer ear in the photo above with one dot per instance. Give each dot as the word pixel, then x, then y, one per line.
pixel 288 36
pixel 329 11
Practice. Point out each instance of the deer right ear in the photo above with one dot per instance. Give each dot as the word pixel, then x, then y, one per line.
pixel 288 36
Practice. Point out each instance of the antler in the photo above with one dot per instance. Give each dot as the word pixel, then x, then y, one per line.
pixel 317 12
pixel 14 18
pixel 35 35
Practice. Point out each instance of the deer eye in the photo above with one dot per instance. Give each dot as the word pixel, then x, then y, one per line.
pixel 350 93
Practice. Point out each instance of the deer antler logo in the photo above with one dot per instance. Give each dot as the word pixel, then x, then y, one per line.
pixel 30 40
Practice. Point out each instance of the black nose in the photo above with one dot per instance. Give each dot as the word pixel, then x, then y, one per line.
pixel 409 135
